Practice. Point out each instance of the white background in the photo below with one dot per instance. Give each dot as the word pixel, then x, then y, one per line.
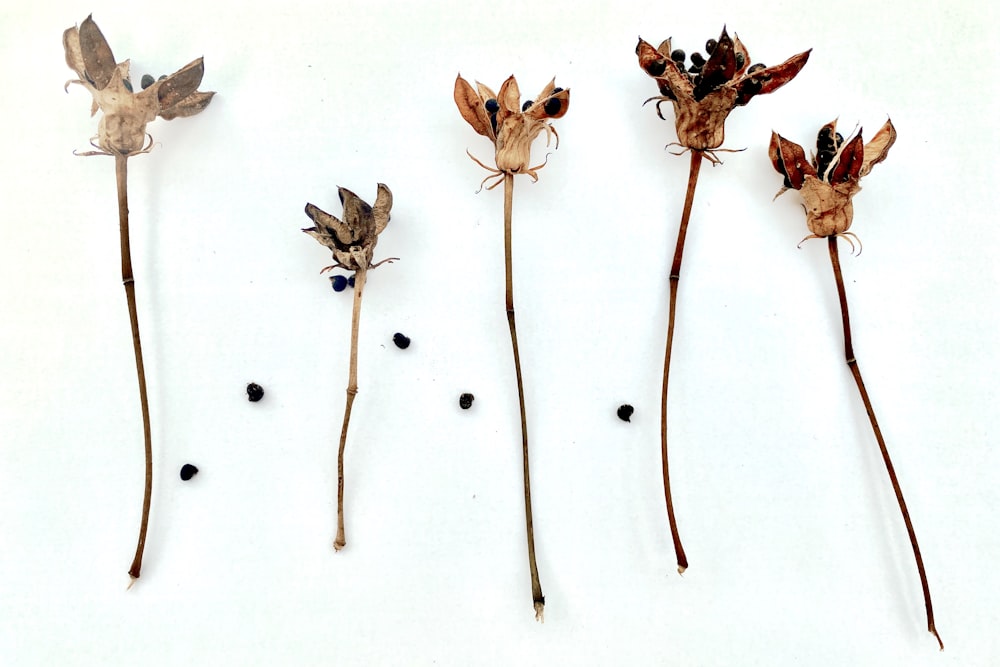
pixel 798 554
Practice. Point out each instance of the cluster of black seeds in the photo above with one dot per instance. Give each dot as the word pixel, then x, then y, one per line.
pixel 552 106
pixel 705 81
pixel 827 145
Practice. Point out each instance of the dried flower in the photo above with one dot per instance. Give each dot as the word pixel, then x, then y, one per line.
pixel 704 94
pixel 122 128
pixel 829 181
pixel 352 241
pixel 510 125
pixel 827 184
pixel 121 133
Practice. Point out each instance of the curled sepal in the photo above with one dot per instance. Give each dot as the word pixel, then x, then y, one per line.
pixel 878 148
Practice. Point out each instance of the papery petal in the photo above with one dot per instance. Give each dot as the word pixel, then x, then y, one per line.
pixel 382 208
pixel 847 165
pixel 740 49
pixel 720 68
pixel 877 149
pixel 329 229
pixel 663 69
pixel 71 44
pixel 98 60
pixel 470 105
pixel 357 217
pixel 509 98
pixel 192 104
pixel 665 47
pixel 772 78
pixel 180 84
pixel 485 92
pixel 789 159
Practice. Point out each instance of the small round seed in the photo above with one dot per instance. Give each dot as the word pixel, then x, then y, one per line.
pixel 710 46
pixel 147 81
pixel 339 283
pixel 625 412
pixel 188 471
pixel 350 280
pixel 553 105
pixel 740 60
pixel 656 68
pixel 254 392
pixel 756 67
pixel 526 105
pixel 492 106
pixel 678 55
pixel 127 84
pixel 465 401
pixel 697 59
pixel 401 341
pixel 557 90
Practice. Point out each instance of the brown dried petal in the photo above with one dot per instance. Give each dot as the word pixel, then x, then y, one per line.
pixel 878 148
pixel 790 160
pixel 664 47
pixel 189 106
pixel 329 230
pixel 670 76
pixel 71 44
pixel 509 98
pixel 471 107
pixel 357 217
pixel 775 77
pixel 98 60
pixel 740 49
pixel 847 165
pixel 485 92
pixel 382 208
pixel 180 84
pixel 720 68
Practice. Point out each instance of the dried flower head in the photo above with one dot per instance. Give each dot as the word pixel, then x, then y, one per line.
pixel 122 128
pixel 352 239
pixel 829 181
pixel 704 93
pixel 510 125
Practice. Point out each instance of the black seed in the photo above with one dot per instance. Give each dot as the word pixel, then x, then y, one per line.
pixel 465 401
pixel 147 81
pixel 756 67
pixel 697 59
pixel 625 412
pixel 162 77
pixel 401 341
pixel 553 105
pixel 254 392
pixel 127 84
pixel 710 46
pixel 350 281
pixel 656 68
pixel 787 183
pixel 493 122
pixel 695 69
pixel 339 283
pixel 492 106
pixel 840 139
pixel 526 105
pixel 188 471
pixel 557 90
pixel 678 55
pixel 740 60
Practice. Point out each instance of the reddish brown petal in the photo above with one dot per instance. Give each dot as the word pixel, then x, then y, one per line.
pixel 96 53
pixel 471 107
pixel 878 148
pixel 664 47
pixel 663 69
pixel 720 68
pixel 180 84
pixel 770 79
pixel 741 51
pixel 789 159
pixel 848 165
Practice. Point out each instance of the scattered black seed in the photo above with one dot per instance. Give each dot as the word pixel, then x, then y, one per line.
pixel 840 139
pixel 695 69
pixel 254 392
pixel 756 67
pixel 350 280
pixel 401 341
pixel 697 59
pixel 678 55
pixel 465 401
pixel 625 412
pixel 552 106
pixel 128 85
pixel 162 77
pixel 147 81
pixel 657 67
pixel 557 90
pixel 825 141
pixel 188 471
pixel 710 46
pixel 526 105
pixel 492 106
pixel 339 283
pixel 740 60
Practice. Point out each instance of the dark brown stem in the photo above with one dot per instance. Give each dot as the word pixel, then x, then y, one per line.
pixel 121 178
pixel 675 276
pixel 852 363
pixel 536 586
pixel 352 391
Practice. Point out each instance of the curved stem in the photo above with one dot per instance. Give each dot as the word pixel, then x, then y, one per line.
pixel 128 280
pixel 852 363
pixel 352 389
pixel 675 276
pixel 508 204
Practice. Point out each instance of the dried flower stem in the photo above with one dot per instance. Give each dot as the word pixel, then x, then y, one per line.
pixel 352 391
pixel 852 363
pixel 121 178
pixel 508 206
pixel 675 276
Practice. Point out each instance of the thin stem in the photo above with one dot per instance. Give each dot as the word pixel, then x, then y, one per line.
pixel 128 280
pixel 536 586
pixel 852 363
pixel 675 276
pixel 352 391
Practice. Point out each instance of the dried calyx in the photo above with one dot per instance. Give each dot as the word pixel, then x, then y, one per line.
pixel 352 240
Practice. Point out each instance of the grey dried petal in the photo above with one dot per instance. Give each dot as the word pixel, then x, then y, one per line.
pixel 352 240
pixel 98 60
pixel 180 84
pixel 193 104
